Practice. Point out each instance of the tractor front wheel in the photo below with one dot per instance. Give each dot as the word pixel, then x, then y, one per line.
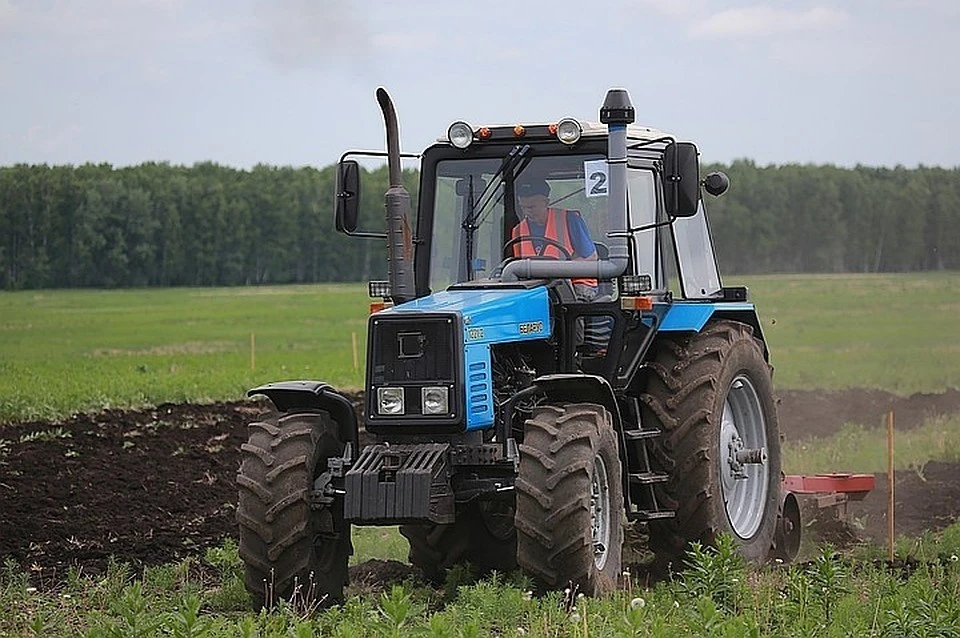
pixel 291 550
pixel 482 535
pixel 570 499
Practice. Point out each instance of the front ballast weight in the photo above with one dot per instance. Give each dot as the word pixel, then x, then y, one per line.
pixel 391 483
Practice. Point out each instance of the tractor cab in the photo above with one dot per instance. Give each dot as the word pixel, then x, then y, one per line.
pixel 466 227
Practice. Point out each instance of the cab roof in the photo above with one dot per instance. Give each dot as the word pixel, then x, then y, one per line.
pixel 538 130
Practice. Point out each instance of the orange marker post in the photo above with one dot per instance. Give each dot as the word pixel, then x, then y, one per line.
pixel 890 481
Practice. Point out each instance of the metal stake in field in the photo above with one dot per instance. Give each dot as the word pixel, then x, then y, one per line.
pixel 253 350
pixel 890 503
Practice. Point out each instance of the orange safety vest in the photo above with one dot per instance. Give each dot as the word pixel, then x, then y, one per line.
pixel 556 231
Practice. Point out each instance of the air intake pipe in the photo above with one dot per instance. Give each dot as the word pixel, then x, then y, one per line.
pixel 616 112
pixel 397 202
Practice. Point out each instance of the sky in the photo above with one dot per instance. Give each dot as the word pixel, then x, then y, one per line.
pixel 292 82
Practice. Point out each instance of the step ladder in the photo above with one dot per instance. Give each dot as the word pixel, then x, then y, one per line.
pixel 643 504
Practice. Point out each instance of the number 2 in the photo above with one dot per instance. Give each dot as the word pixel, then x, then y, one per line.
pixel 598 181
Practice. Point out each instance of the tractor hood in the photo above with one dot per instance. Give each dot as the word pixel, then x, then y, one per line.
pixel 490 316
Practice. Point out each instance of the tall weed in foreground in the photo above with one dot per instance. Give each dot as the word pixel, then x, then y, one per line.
pixel 717 595
pixel 718 573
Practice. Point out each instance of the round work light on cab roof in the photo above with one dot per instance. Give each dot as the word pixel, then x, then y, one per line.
pixel 569 130
pixel 460 134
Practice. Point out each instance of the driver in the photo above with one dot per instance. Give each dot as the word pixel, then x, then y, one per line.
pixel 565 227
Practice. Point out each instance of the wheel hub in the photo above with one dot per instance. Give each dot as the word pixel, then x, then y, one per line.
pixel 600 512
pixel 744 473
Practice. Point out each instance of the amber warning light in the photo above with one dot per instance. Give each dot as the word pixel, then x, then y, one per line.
pixel 636 303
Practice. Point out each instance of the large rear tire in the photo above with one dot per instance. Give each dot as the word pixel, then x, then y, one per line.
pixel 570 499
pixel 482 535
pixel 291 551
pixel 711 394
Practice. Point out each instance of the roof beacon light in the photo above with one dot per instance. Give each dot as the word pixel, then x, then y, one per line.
pixel 569 131
pixel 460 134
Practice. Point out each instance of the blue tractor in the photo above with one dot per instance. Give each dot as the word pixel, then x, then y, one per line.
pixel 529 398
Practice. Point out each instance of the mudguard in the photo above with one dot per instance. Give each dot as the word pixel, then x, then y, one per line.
pixel 684 316
pixel 295 396
pixel 581 388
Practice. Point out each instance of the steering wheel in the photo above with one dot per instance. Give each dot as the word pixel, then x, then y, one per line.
pixel 508 247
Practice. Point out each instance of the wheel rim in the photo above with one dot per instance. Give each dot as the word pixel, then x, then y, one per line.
pixel 600 512
pixel 744 471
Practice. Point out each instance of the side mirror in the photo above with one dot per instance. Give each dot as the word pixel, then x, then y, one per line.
pixel 716 183
pixel 347 204
pixel 681 179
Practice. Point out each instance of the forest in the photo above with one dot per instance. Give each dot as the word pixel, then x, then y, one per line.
pixel 157 224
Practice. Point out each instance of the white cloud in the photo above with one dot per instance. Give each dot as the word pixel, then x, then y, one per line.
pixel 299 34
pixel 763 21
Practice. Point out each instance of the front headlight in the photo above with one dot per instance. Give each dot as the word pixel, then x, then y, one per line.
pixel 569 131
pixel 390 400
pixel 460 135
pixel 435 400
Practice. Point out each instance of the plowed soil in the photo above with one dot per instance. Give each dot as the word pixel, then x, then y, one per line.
pixel 155 485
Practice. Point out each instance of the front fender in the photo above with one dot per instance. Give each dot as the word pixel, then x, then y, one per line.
pixel 581 388
pixel 297 396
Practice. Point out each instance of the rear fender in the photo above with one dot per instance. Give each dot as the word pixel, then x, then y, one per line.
pixel 692 317
pixel 300 396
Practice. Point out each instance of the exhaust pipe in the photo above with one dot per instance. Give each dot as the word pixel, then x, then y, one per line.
pixel 397 204
pixel 616 113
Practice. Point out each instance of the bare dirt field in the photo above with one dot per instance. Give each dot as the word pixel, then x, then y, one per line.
pixel 152 486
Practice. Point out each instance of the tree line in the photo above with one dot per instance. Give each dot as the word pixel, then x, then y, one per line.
pixel 161 225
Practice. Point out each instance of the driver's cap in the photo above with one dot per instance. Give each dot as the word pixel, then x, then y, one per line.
pixel 533 187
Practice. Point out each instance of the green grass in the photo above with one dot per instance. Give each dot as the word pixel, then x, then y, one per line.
pixel 384 543
pixel 66 351
pixel 898 333
pixel 70 351
pixel 855 448
pixel 716 596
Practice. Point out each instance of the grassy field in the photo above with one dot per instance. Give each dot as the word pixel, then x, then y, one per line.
pixel 899 333
pixel 716 596
pixel 67 351
pixel 855 448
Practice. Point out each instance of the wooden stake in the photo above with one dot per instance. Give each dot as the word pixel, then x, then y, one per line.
pixel 253 350
pixel 356 353
pixel 890 481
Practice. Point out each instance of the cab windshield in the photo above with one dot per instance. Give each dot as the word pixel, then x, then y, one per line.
pixel 476 208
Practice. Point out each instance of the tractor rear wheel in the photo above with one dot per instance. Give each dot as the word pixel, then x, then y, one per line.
pixel 482 535
pixel 290 550
pixel 570 499
pixel 711 395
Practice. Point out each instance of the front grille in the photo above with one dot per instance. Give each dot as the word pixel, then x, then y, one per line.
pixel 410 350
pixel 413 351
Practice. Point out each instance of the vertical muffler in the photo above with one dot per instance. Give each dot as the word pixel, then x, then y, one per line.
pixel 397 200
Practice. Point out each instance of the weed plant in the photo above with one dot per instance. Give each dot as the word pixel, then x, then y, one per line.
pixel 716 595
